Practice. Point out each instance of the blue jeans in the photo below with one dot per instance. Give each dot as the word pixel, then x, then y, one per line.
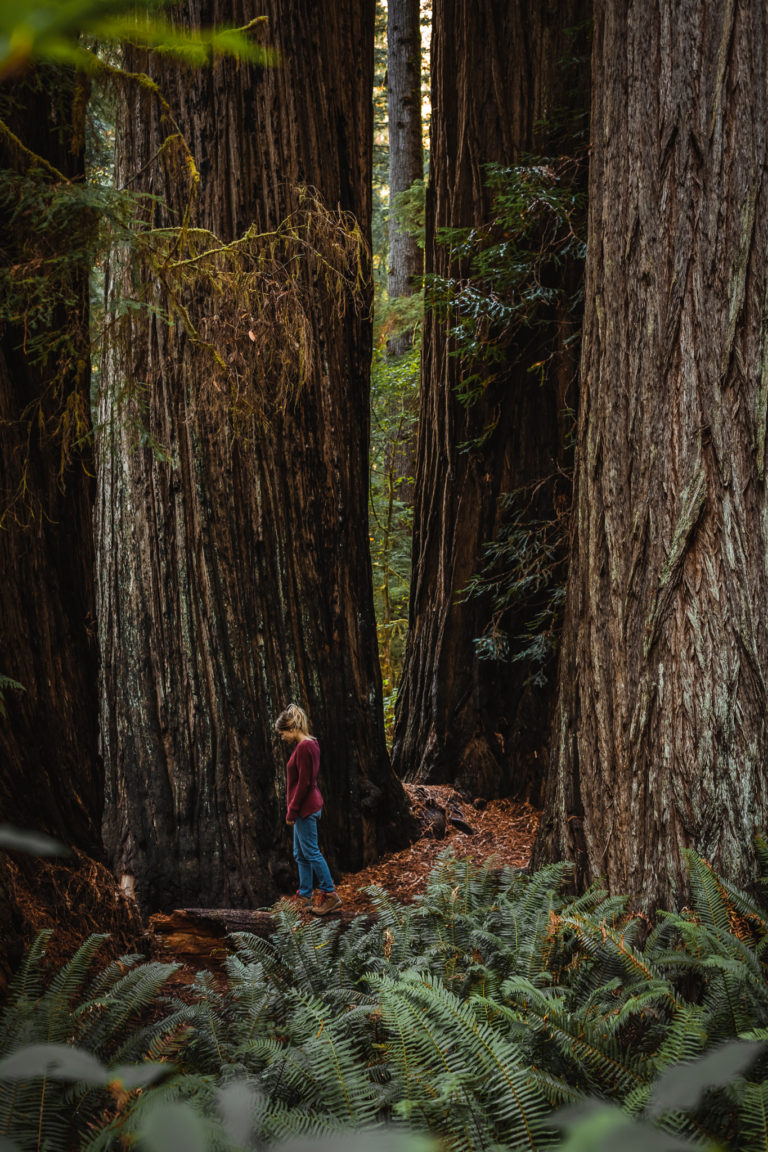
pixel 308 856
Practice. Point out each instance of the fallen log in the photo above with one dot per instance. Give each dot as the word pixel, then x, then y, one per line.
pixel 199 935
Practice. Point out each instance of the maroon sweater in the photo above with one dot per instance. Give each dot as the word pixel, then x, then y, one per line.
pixel 302 792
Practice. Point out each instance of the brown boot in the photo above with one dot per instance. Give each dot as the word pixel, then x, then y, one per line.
pixel 328 902
pixel 302 903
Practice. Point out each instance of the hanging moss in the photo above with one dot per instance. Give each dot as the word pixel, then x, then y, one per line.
pixel 244 307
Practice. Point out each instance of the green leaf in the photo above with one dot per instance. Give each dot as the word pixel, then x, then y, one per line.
pixel 682 1086
pixel 54 1061
pixel 139 1075
pixel 237 1102
pixel 753 1118
pixel 35 843
pixel 173 1128
pixel 594 1127
pixel 49 30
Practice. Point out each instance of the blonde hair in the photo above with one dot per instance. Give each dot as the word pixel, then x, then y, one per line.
pixel 293 719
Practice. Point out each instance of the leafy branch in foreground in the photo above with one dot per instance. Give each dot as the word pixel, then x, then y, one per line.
pixel 50 30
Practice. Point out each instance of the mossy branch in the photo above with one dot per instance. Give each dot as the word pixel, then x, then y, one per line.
pixel 33 159
pixel 247 306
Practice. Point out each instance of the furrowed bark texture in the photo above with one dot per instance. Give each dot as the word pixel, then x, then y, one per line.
pixel 660 734
pixel 50 775
pixel 496 74
pixel 405 147
pixel 238 578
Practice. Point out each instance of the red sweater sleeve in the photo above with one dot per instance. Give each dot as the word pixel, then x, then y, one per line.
pixel 300 781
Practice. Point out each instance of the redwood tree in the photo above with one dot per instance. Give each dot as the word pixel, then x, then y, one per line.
pixel 660 738
pixel 50 772
pixel 405 146
pixel 50 776
pixel 234 573
pixel 498 86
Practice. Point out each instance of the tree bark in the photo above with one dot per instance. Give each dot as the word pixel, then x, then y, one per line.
pixel 497 82
pixel 50 774
pixel 405 147
pixel 659 741
pixel 51 777
pixel 237 577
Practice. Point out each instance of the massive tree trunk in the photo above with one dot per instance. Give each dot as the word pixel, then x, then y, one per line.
pixel 660 737
pixel 50 772
pixel 234 573
pixel 497 83
pixel 405 147
pixel 50 776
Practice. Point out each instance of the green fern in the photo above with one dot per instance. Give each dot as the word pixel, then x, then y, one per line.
pixel 472 1014
pixel 453 1064
pixel 7 684
pixel 752 1102
pixel 93 1018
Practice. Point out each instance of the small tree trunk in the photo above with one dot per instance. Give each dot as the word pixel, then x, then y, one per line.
pixel 234 571
pixel 405 147
pixel 660 735
pixel 497 76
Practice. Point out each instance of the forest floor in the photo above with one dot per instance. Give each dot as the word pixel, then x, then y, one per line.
pixel 75 895
pixel 501 832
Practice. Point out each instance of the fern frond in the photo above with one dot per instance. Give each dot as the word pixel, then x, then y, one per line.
pixel 614 950
pixel 707 892
pixel 102 1021
pixel 595 1059
pixel 69 981
pixel 27 984
pixel 445 1048
pixel 753 1117
pixel 747 910
pixel 396 919
pixel 325 1070
pixel 761 853
pixel 652 1003
pixel 686 1037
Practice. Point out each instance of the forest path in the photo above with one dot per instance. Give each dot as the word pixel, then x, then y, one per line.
pixel 498 832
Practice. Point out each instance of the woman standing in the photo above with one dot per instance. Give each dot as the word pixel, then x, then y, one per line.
pixel 305 805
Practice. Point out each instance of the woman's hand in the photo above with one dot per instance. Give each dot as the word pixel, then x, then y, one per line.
pixel 291 822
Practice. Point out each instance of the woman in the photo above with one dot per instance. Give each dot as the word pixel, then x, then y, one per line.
pixel 304 807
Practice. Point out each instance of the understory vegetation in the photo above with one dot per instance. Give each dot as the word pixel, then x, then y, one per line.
pixel 518 272
pixel 394 416
pixel 472 1017
pixel 519 302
